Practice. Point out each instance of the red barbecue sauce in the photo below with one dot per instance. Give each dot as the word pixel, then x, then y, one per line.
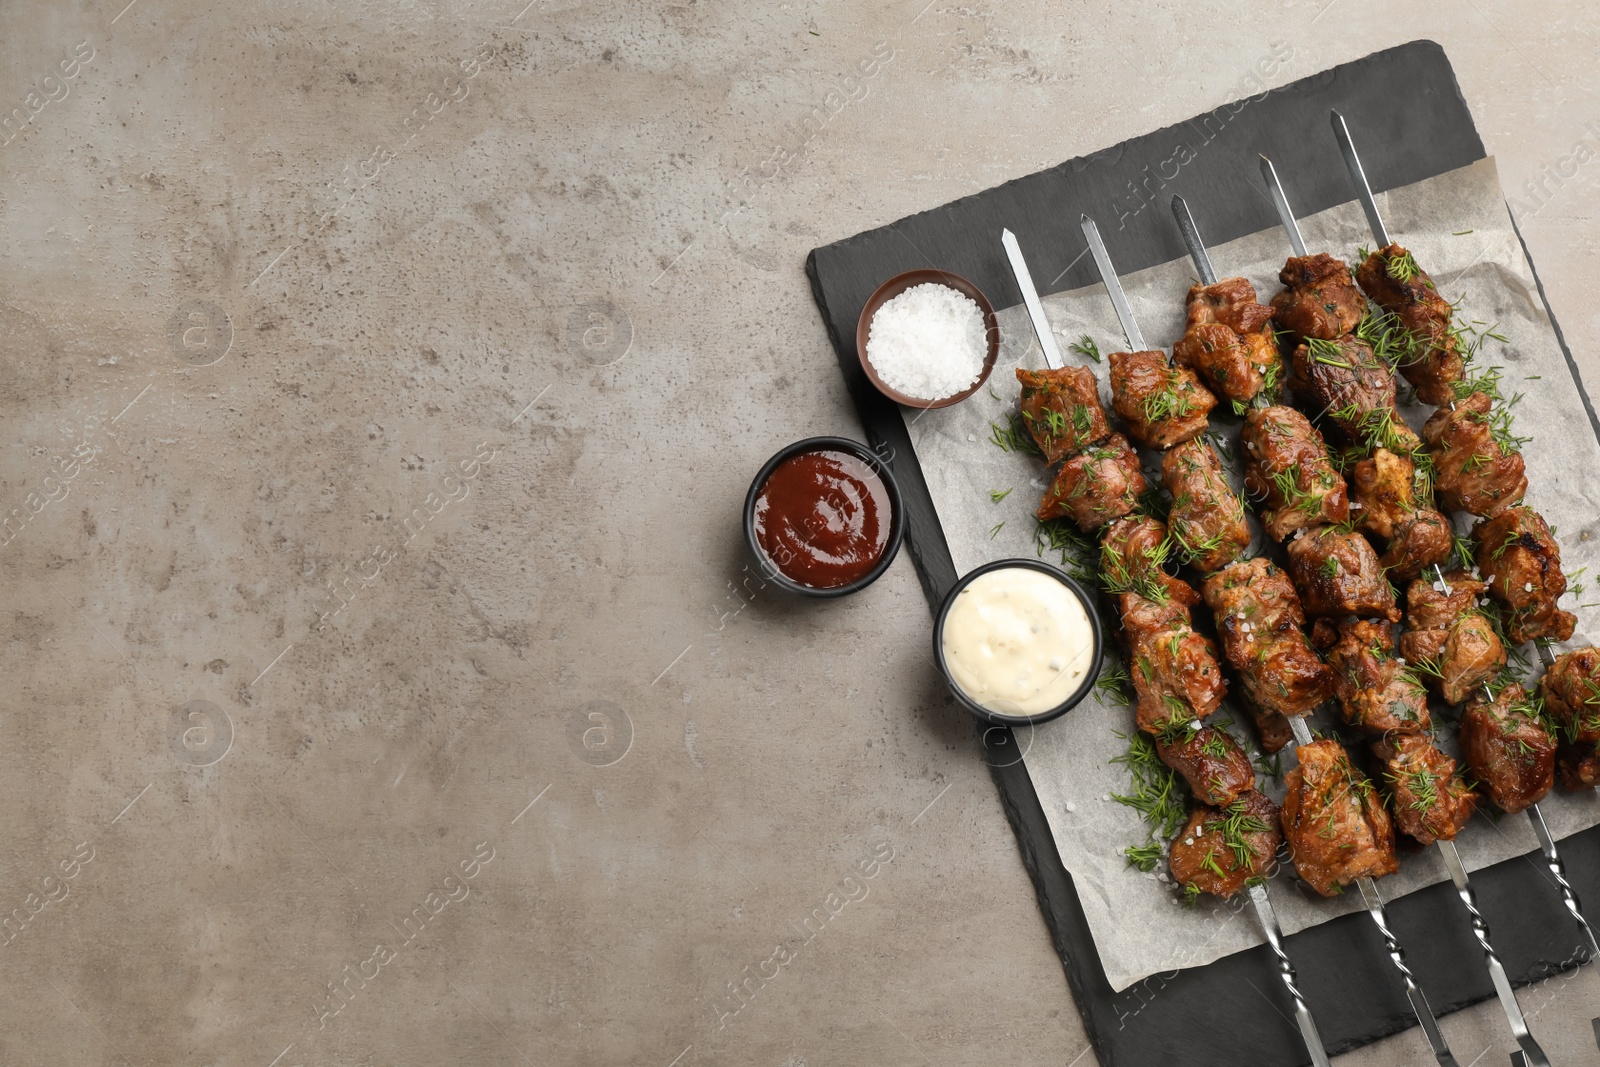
pixel 823 518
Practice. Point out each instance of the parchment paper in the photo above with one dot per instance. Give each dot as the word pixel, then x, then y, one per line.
pixel 1139 925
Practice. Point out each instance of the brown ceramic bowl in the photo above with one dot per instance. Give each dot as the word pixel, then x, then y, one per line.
pixel 893 288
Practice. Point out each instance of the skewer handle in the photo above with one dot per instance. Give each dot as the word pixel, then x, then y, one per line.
pixel 1302 1013
pixel 1358 177
pixel 1419 1003
pixel 1108 276
pixel 1030 299
pixel 1552 859
pixel 1281 202
pixel 1191 238
pixel 1497 973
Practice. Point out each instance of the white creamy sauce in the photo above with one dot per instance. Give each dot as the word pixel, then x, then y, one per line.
pixel 1017 641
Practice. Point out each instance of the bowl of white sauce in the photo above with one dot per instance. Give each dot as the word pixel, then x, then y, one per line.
pixel 1018 642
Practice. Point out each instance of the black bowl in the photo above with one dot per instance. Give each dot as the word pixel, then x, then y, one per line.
pixel 897 521
pixel 1000 718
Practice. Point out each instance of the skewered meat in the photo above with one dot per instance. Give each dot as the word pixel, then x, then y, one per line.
pixel 1161 404
pixel 1571 688
pixel 1210 760
pixel 1220 850
pixel 1338 573
pixel 1508 748
pixel 1271 727
pixel 1354 389
pixel 1207 519
pixel 1289 467
pixel 1579 765
pixel 1229 339
pixel 1174 670
pixel 1132 550
pixel 1384 485
pixel 1321 299
pixel 1450 641
pixel 1062 410
pixel 1431 802
pixel 1335 824
pixel 1391 277
pixel 1471 471
pixel 1259 622
pixel 1376 693
pixel 1519 557
pixel 1096 486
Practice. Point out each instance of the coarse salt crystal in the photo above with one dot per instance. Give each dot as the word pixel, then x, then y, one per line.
pixel 928 342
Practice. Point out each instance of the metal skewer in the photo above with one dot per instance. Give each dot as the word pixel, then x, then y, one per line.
pixel 1108 276
pixel 1533 1055
pixel 1380 917
pixel 1302 735
pixel 1258 893
pixel 1547 843
pixel 1030 300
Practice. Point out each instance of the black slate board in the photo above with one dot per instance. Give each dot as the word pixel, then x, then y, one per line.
pixel 1233 1011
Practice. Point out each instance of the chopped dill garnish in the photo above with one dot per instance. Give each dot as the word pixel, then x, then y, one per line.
pixel 1145 857
pixel 1014 436
pixel 997 495
pixel 1270 766
pixel 996 528
pixel 1114 681
pixel 1459 233
pixel 1079 556
pixel 1085 346
pixel 1158 794
pixel 1403 268
pixel 1328 352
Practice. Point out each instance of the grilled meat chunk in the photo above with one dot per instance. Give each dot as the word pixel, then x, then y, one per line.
pixel 1220 850
pixel 1338 573
pixel 1335 823
pixel 1354 389
pixel 1259 621
pixel 1431 802
pixel 1321 299
pixel 1471 471
pixel 1062 410
pixel 1579 765
pixel 1174 669
pixel 1229 340
pixel 1571 688
pixel 1288 467
pixel 1210 760
pixel 1132 550
pixel 1272 728
pixel 1453 646
pixel 1415 536
pixel 1096 486
pixel 1161 404
pixel 1391 277
pixel 1375 691
pixel 1519 558
pixel 1207 519
pixel 1510 752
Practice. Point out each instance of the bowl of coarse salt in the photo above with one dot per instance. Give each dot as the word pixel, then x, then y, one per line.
pixel 928 338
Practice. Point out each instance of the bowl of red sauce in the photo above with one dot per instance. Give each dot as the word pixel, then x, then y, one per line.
pixel 823 517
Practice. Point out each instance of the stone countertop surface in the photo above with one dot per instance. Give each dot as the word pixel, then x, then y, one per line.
pixel 381 385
